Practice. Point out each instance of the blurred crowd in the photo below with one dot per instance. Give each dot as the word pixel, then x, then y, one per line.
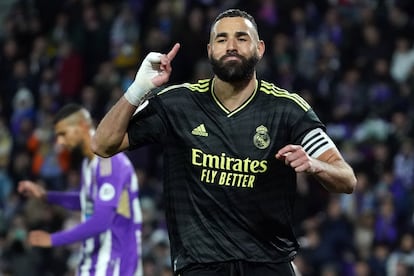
pixel 352 60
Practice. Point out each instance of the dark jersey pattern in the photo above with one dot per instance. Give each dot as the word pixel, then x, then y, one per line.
pixel 227 197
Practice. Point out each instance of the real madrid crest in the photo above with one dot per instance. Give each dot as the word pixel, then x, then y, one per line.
pixel 261 139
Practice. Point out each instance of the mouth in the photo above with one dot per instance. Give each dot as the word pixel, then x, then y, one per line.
pixel 231 57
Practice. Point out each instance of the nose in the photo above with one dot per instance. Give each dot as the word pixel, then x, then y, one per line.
pixel 231 45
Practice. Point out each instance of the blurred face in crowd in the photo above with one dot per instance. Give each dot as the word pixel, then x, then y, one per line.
pixel 234 49
pixel 72 132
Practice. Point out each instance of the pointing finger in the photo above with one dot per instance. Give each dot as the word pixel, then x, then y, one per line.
pixel 171 55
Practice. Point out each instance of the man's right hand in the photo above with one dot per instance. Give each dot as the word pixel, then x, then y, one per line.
pixel 31 189
pixel 154 71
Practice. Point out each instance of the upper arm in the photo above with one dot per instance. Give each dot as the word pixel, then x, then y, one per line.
pixel 113 149
pixel 316 143
pixel 330 155
pixel 319 145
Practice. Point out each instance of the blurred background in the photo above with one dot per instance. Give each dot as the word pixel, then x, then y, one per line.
pixel 352 60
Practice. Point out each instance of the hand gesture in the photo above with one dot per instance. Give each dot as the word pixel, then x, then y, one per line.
pixel 154 71
pixel 161 66
pixel 31 189
pixel 39 238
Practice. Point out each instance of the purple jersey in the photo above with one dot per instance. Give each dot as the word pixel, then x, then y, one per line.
pixel 111 219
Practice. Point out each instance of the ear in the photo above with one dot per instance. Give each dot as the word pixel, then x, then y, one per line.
pixel 208 49
pixel 261 48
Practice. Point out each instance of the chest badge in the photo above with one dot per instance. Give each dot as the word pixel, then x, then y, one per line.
pixel 261 139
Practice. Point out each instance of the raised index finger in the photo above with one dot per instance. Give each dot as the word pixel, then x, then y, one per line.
pixel 171 55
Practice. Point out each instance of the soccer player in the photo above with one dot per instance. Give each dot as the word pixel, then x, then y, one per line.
pixel 108 200
pixel 233 145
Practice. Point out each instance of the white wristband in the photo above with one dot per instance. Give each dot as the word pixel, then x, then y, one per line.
pixel 134 95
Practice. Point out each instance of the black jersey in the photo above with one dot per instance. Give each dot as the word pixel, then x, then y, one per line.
pixel 226 195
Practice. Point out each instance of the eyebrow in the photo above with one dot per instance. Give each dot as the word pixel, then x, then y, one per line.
pixel 238 34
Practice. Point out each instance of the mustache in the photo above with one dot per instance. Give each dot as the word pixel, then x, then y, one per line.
pixel 232 54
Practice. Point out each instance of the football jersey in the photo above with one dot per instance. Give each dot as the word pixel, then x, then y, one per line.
pixel 226 195
pixel 116 251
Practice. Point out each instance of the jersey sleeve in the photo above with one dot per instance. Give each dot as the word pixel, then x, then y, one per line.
pixel 69 200
pixel 98 222
pixel 305 123
pixel 147 126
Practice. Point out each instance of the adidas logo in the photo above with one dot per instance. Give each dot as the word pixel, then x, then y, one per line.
pixel 200 131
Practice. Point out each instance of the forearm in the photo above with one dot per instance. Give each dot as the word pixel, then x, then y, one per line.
pixel 68 200
pixel 336 177
pixel 110 136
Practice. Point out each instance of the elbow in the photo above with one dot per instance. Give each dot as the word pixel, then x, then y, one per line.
pixel 345 187
pixel 100 149
pixel 350 188
pixel 350 182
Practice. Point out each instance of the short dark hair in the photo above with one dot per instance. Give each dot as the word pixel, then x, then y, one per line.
pixel 236 13
pixel 66 111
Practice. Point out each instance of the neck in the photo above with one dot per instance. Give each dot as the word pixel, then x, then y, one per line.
pixel 233 95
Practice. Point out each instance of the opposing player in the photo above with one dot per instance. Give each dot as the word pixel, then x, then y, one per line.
pixel 108 199
pixel 232 147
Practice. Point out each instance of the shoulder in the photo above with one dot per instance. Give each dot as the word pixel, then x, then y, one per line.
pixel 278 93
pixel 199 86
pixel 114 164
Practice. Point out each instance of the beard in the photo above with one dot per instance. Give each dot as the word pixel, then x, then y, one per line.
pixel 234 71
pixel 76 157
